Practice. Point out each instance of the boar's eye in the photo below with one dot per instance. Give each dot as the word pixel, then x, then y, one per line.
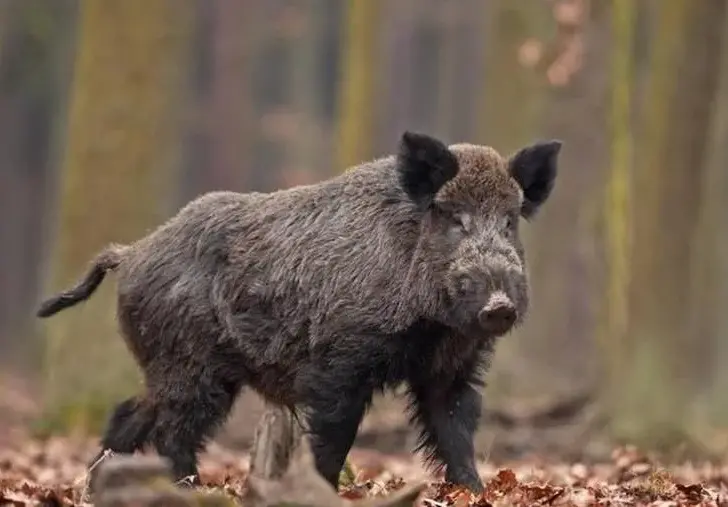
pixel 508 225
pixel 464 285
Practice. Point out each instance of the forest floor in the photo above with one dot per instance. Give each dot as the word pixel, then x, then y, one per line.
pixel 52 472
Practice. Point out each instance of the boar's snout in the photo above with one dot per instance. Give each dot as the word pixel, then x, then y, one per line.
pixel 498 315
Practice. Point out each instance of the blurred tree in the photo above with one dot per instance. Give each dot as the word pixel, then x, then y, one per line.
pixel 617 213
pixel 309 134
pixel 510 108
pixel 426 66
pixel 510 103
pixel 33 49
pixel 356 84
pixel 449 25
pixel 229 120
pixel 684 69
pixel 6 17
pixel 394 106
pixel 555 347
pixel 469 52
pixel 709 292
pixel 271 68
pixel 121 145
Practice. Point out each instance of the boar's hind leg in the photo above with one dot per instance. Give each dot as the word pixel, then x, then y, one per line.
pixel 336 402
pixel 449 418
pixel 187 413
pixel 127 431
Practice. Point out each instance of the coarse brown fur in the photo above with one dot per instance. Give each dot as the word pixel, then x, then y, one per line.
pixel 319 295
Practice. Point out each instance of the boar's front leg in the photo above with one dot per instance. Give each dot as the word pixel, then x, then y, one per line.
pixel 449 417
pixel 336 393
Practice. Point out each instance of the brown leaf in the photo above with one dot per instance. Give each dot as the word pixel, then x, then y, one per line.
pixel 543 494
pixel 502 484
pixel 441 490
pixel 459 498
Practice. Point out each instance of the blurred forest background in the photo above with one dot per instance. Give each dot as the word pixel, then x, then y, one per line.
pixel 114 114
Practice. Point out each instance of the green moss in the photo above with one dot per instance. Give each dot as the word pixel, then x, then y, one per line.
pixel 347 476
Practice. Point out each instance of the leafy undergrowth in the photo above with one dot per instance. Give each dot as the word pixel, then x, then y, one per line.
pixel 53 473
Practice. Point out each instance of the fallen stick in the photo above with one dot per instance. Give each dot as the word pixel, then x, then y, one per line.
pixel 283 473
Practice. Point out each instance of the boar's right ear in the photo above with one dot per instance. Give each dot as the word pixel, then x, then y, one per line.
pixel 424 165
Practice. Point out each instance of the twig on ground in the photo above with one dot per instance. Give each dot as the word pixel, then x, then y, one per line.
pixel 85 477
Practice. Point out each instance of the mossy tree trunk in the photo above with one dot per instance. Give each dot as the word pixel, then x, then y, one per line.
pixel 116 177
pixel 356 102
pixel 709 293
pixel 684 69
pixel 617 204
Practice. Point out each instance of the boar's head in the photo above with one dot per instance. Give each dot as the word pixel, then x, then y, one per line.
pixel 473 199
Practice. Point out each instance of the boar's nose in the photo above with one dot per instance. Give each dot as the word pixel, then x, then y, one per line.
pixel 498 315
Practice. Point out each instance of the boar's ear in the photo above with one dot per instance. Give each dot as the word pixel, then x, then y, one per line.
pixel 424 164
pixel 534 168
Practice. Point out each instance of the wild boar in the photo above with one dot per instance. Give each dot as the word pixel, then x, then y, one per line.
pixel 405 269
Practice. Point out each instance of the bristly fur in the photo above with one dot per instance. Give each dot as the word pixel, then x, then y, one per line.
pixel 320 295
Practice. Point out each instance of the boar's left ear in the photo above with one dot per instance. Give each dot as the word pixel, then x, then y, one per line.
pixel 534 168
pixel 424 165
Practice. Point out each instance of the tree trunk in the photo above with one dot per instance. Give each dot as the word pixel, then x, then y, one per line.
pixel 229 113
pixel 116 178
pixel 309 136
pixel 709 294
pixel 30 95
pixel 554 343
pixel 394 92
pixel 683 79
pixel 511 100
pixel 356 85
pixel 448 26
pixel 617 210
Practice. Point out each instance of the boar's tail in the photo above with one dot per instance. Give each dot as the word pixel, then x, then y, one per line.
pixel 106 260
